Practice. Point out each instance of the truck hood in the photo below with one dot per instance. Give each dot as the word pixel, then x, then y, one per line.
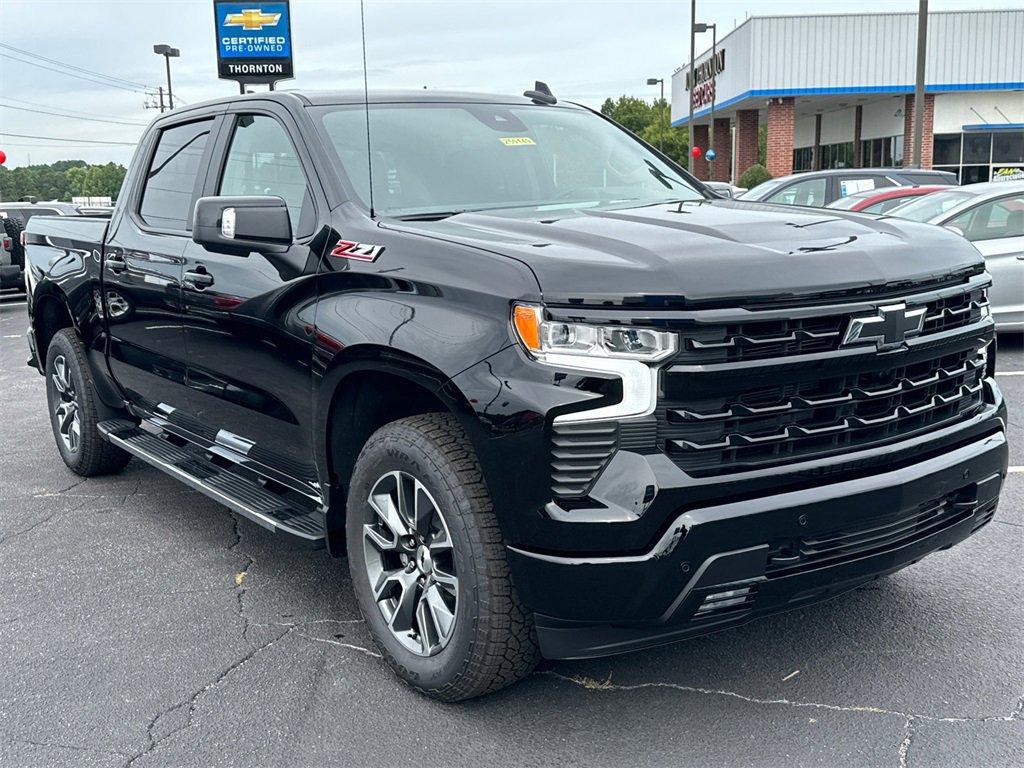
pixel 709 251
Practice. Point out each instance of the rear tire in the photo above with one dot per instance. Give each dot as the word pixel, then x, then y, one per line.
pixel 71 398
pixel 452 557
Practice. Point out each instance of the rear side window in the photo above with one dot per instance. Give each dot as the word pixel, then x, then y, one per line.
pixel 171 178
pixel 809 192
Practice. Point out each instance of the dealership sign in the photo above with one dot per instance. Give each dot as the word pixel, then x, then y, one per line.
pixel 254 41
pixel 702 87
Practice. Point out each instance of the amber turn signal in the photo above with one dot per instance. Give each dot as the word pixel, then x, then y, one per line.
pixel 526 319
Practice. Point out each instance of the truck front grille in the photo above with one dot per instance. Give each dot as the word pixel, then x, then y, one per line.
pixel 745 410
pixel 782 335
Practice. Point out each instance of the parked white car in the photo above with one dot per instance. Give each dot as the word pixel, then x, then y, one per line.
pixel 991 216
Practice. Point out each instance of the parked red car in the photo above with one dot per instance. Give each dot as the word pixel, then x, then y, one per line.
pixel 881 200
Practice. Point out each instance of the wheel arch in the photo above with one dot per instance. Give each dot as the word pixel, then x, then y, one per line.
pixel 366 387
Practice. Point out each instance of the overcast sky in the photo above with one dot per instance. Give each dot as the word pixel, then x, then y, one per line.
pixel 585 51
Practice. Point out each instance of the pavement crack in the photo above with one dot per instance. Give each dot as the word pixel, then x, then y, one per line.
pixel 593 684
pixel 39 523
pixel 909 731
pixel 153 741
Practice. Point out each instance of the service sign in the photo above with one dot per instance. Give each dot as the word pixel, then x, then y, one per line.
pixel 254 41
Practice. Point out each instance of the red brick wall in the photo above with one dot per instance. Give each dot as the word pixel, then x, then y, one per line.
pixel 781 119
pixel 721 169
pixel 926 130
pixel 746 140
pixel 700 139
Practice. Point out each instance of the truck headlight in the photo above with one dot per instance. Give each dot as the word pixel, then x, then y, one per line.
pixel 543 338
pixel 626 352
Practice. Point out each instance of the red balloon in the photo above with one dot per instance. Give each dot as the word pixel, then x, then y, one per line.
pixel 695 152
pixel 3 157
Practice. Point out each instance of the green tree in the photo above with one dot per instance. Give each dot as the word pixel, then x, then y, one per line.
pixel 630 112
pixel 61 180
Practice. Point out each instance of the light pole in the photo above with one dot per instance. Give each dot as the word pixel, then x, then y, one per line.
pixel 168 53
pixel 661 111
pixel 697 28
pixel 922 50
pixel 689 124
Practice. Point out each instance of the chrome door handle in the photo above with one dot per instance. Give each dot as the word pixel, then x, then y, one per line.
pixel 198 279
pixel 115 263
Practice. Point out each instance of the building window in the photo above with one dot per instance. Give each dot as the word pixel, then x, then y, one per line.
pixel 980 156
pixel 977 148
pixel 1008 147
pixel 946 149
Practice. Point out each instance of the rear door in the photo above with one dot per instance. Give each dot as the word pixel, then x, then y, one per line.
pixel 142 266
pixel 996 228
pixel 249 319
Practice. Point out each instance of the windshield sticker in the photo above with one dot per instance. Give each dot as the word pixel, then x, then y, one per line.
pixel 517 141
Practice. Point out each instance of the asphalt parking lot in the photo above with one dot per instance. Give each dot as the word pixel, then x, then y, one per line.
pixel 142 624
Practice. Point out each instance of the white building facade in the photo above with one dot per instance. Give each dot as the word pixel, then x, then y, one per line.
pixel 838 91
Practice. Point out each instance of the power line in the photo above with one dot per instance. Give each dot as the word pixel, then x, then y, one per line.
pixel 75 141
pixel 32 55
pixel 74 112
pixel 73 74
pixel 74 117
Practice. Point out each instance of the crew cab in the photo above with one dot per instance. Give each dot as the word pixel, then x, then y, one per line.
pixel 545 392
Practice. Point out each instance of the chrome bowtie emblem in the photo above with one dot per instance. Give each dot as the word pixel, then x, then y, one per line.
pixel 889 327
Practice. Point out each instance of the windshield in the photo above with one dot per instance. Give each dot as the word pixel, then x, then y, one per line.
pixel 927 207
pixel 448 158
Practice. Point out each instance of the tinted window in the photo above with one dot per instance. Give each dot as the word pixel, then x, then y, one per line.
pixel 977 147
pixel 171 179
pixel 912 177
pixel 1008 147
pixel 262 161
pixel 993 220
pixel 810 192
pixel 946 149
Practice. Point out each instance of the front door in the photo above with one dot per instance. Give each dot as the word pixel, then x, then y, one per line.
pixel 248 319
pixel 997 230
pixel 143 264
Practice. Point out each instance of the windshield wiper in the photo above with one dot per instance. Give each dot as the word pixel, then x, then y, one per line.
pixel 663 177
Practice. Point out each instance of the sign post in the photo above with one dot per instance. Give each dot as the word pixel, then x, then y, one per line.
pixel 254 42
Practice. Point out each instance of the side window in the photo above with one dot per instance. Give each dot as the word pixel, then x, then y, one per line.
pixel 993 220
pixel 262 161
pixel 810 192
pixel 171 179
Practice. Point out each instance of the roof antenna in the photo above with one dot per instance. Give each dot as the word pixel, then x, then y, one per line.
pixel 541 94
pixel 366 104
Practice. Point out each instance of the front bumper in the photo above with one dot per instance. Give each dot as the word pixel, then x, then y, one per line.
pixel 724 564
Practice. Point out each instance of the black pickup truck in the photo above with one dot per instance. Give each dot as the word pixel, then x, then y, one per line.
pixel 548 394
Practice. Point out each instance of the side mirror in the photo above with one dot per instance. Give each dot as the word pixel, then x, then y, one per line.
pixel 954 228
pixel 239 225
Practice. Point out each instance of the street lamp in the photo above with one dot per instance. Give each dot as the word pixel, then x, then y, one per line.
pixel 701 27
pixel 661 111
pixel 168 53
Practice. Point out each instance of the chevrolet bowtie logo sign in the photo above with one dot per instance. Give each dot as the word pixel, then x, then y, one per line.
pixel 252 19
pixel 888 328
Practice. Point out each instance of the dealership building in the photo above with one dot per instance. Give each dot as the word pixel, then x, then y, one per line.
pixel 837 91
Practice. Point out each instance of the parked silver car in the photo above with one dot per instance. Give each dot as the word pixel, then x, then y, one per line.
pixel 991 216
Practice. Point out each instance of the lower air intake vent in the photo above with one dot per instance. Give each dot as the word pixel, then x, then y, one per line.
pixel 579 452
pixel 729 602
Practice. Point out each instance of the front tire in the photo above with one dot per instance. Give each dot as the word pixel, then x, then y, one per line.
pixel 428 563
pixel 71 398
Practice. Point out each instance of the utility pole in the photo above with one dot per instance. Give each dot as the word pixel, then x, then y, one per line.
pixel 922 49
pixel 689 124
